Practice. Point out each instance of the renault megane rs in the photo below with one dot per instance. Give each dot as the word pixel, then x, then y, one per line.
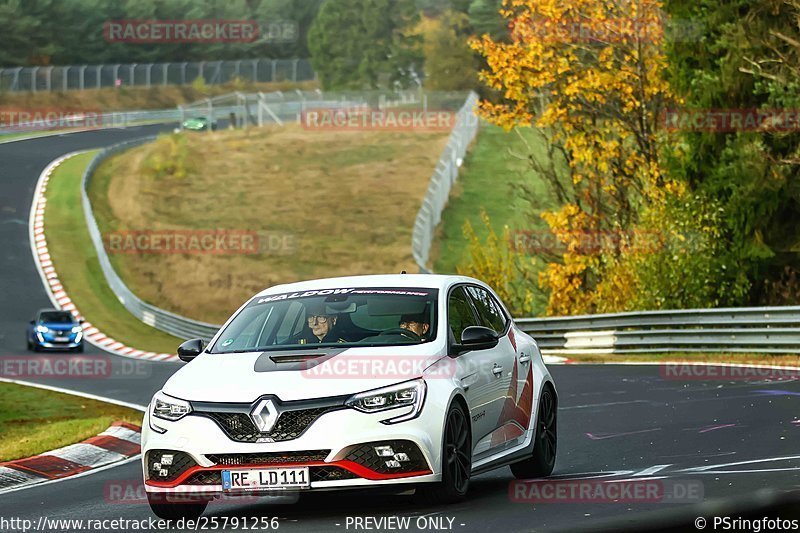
pixel 399 381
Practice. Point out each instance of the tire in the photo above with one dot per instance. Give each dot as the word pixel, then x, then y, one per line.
pixel 79 348
pixel 174 511
pixel 30 344
pixel 456 461
pixel 543 458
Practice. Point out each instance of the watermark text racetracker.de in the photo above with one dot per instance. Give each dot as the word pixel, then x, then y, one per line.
pixel 689 371
pixel 48 118
pixel 398 367
pixel 365 118
pixel 59 366
pixel 138 31
pixel 652 28
pixel 199 242
pixel 133 492
pixel 730 120
pixel 605 491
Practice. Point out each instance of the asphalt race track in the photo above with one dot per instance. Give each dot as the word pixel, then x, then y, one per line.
pixel 699 439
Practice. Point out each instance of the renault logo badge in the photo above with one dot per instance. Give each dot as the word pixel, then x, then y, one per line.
pixel 264 415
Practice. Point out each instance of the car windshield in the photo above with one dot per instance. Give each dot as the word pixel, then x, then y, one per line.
pixel 54 317
pixel 332 317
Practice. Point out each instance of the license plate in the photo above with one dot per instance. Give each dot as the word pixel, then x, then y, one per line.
pixel 266 479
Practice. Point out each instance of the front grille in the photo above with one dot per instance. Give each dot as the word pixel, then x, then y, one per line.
pixel 330 473
pixel 204 478
pixel 290 424
pixel 365 455
pixel 158 471
pixel 276 458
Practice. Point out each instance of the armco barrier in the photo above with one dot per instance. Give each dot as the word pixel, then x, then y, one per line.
pixel 752 329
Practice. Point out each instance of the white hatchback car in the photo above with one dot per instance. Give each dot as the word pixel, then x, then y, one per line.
pixel 409 381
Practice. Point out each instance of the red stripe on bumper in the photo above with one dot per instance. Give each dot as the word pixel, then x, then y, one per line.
pixel 357 469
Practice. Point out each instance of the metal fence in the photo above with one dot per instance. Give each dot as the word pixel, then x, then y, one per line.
pixel 279 106
pixel 81 77
pixel 754 329
pixel 444 176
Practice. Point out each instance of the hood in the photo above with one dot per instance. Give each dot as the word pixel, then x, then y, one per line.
pixel 297 374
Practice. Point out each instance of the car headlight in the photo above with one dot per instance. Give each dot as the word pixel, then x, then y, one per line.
pixel 406 394
pixel 42 329
pixel 77 329
pixel 169 408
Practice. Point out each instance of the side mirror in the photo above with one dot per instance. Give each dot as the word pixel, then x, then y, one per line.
pixel 477 338
pixel 81 321
pixel 190 349
pixel 32 322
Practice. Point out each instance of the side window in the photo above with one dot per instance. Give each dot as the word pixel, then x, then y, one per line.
pixel 489 310
pixel 459 313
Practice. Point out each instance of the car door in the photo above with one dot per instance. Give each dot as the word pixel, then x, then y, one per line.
pixel 484 374
pixel 512 421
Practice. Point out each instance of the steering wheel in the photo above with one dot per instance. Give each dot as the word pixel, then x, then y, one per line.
pixel 401 331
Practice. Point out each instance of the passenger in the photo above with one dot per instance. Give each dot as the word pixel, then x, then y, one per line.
pixel 417 324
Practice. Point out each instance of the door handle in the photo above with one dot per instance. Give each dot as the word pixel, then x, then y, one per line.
pixel 497 369
pixel 524 358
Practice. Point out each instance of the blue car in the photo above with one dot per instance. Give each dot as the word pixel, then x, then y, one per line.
pixel 55 330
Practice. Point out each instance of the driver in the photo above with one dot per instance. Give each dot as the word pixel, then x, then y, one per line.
pixel 417 323
pixel 321 327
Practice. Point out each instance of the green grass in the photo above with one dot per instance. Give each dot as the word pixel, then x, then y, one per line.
pixel 76 262
pixel 34 420
pixel 491 178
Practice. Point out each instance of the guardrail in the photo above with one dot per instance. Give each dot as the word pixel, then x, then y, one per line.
pixel 151 315
pixel 444 176
pixel 753 329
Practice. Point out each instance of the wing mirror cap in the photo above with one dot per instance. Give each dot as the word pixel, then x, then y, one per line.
pixel 477 338
pixel 190 349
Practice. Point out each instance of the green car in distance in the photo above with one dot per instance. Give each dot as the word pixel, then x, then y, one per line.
pixel 199 124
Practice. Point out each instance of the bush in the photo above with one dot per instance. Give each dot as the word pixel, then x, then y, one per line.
pixel 687 264
pixel 170 158
pixel 499 265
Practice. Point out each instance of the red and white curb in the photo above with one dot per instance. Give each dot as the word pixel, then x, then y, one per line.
pixel 52 284
pixel 119 442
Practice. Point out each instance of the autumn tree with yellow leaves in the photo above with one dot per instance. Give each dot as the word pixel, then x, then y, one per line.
pixel 589 73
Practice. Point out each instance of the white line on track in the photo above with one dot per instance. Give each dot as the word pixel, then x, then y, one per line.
pixel 650 471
